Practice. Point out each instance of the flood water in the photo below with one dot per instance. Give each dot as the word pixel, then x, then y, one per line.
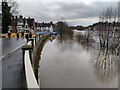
pixel 70 63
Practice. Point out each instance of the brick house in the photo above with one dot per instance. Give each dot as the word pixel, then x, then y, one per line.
pixel 19 24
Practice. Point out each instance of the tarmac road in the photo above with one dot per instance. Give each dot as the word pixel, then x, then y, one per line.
pixel 10 45
pixel 12 64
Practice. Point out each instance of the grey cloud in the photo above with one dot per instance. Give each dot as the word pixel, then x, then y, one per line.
pixel 42 11
pixel 81 10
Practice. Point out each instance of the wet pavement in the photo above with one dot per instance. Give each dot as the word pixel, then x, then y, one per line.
pixel 12 70
pixel 12 65
pixel 9 45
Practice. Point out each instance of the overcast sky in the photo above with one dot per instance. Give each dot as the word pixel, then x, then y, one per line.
pixel 75 12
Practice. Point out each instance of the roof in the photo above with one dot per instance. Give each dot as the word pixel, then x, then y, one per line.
pixel 29 21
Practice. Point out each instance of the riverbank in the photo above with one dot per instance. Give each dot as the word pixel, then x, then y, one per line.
pixel 37 53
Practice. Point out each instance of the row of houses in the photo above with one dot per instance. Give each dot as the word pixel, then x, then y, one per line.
pixel 22 24
pixel 44 26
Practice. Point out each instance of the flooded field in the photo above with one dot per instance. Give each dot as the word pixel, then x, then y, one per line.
pixel 77 62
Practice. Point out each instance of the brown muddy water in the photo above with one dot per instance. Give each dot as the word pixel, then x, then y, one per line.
pixel 74 63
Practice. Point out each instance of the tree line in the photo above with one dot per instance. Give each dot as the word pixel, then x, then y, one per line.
pixel 63 29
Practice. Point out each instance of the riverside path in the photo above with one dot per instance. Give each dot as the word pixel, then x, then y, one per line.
pixel 11 59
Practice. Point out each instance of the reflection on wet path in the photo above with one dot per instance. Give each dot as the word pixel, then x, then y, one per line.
pixel 74 62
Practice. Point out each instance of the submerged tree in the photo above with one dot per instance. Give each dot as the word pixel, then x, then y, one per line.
pixel 108 31
pixel 109 38
pixel 106 66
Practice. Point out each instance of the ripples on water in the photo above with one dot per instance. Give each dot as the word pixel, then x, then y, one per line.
pixel 77 63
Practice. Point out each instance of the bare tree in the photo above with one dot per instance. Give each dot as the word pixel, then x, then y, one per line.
pixel 108 35
pixel 63 29
pixel 14 6
pixel 109 38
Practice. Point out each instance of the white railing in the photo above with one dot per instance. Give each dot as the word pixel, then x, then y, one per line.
pixel 30 76
pixel 29 43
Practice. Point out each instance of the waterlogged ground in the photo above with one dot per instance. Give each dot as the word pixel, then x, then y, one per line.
pixel 72 63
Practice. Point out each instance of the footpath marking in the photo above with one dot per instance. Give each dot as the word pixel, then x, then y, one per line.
pixel 9 53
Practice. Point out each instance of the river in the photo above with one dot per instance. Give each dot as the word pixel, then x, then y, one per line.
pixel 72 63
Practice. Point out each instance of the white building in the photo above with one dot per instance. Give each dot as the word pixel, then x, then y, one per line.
pixel 51 29
pixel 20 26
pixel 26 28
pixel 45 27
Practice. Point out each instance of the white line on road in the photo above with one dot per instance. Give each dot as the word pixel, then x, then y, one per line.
pixel 9 53
pixel 2 56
